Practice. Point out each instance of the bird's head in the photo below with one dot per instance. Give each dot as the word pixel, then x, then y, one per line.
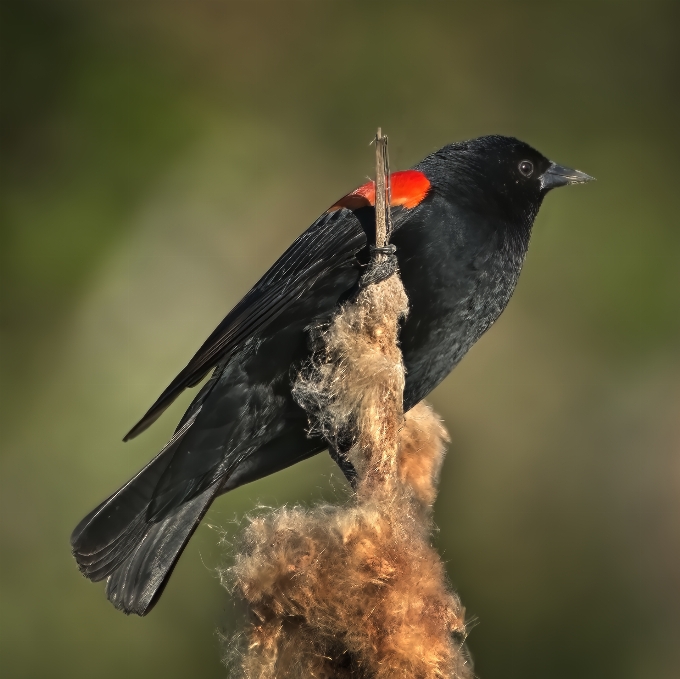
pixel 499 174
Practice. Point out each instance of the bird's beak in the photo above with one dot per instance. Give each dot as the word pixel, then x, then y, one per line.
pixel 557 175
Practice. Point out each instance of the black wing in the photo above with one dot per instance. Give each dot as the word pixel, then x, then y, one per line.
pixel 332 240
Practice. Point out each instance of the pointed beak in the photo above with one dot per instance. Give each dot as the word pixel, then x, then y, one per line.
pixel 557 175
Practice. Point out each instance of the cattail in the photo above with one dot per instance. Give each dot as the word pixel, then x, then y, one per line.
pixel 356 590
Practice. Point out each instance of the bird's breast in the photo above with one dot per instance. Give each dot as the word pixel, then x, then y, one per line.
pixel 459 271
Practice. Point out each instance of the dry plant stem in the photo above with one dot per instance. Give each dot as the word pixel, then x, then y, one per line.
pixel 383 306
pixel 357 591
pixel 382 174
pixel 366 374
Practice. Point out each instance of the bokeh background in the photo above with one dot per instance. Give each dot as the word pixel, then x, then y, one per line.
pixel 156 159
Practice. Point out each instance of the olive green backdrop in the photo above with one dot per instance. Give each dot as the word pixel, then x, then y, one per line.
pixel 156 159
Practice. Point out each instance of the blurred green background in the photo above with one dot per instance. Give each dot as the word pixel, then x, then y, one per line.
pixel 156 159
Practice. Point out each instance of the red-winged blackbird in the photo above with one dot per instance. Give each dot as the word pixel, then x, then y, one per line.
pixel 462 220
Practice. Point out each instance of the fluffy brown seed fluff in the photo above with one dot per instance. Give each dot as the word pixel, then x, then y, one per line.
pixel 355 385
pixel 357 591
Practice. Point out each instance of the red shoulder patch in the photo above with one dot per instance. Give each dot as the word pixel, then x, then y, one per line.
pixel 408 188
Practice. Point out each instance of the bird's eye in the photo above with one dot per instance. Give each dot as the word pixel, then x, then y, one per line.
pixel 526 167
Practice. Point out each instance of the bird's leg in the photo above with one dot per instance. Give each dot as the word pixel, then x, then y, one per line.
pixel 382 265
pixel 346 467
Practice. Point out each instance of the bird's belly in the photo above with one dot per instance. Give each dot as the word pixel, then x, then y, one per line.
pixel 448 317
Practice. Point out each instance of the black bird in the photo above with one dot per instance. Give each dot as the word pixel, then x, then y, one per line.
pixel 462 222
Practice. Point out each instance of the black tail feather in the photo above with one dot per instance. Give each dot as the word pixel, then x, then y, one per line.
pixel 137 583
pixel 108 533
pixel 119 540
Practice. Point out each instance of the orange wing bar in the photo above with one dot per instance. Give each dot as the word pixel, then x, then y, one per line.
pixel 408 188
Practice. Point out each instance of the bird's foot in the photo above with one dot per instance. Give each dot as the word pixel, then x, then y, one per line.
pixel 346 467
pixel 382 265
